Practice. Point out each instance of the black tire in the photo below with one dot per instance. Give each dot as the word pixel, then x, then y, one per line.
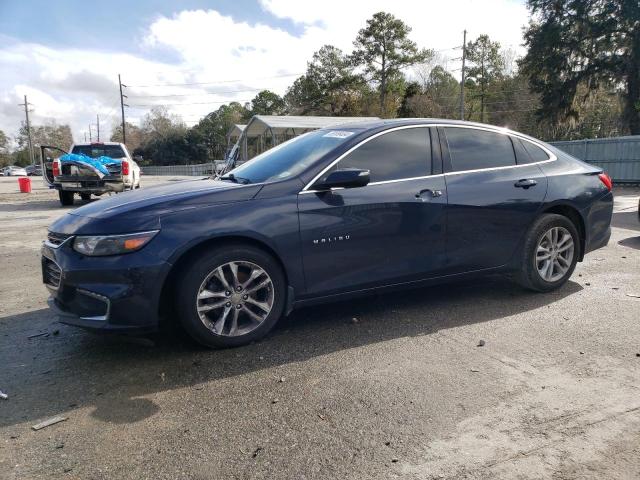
pixel 200 267
pixel 529 276
pixel 85 196
pixel 66 198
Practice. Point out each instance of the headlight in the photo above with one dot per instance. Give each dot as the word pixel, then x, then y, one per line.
pixel 99 245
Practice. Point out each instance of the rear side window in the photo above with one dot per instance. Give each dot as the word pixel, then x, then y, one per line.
pixel 471 149
pixel 404 153
pixel 535 152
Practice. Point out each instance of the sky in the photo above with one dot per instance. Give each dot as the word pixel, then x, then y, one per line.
pixel 194 55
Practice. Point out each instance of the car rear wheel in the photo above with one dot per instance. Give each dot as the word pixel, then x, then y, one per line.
pixel 66 198
pixel 230 297
pixel 551 250
pixel 85 196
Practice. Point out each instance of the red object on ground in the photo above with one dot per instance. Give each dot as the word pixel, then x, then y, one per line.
pixel 25 184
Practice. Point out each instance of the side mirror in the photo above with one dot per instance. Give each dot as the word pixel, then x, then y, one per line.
pixel 137 158
pixel 347 178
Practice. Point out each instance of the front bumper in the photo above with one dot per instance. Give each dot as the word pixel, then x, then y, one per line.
pixel 118 293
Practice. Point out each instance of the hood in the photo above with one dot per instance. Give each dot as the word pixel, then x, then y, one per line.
pixel 137 210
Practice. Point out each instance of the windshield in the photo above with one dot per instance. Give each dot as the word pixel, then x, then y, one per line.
pixel 291 158
pixel 95 151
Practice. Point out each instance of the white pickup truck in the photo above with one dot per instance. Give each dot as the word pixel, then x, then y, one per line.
pixel 70 178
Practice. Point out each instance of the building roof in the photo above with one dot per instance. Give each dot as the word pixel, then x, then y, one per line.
pixel 260 124
pixel 236 130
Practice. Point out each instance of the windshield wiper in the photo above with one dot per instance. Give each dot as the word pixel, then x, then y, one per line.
pixel 235 179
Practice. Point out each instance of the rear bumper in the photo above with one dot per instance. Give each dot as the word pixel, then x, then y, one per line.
pixel 108 294
pixel 94 186
pixel 598 222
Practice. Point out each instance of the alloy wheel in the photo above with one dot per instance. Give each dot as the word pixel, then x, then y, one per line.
pixel 235 298
pixel 554 254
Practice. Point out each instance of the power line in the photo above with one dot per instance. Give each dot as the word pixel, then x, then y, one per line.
pixel 199 94
pixel 212 83
pixel 190 103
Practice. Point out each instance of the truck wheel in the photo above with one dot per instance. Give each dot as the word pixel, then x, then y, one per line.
pixel 85 196
pixel 66 198
pixel 230 297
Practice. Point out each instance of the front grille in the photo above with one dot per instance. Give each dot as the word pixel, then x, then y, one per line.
pixel 51 273
pixel 56 238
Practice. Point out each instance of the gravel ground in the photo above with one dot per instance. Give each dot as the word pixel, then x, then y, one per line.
pixel 393 386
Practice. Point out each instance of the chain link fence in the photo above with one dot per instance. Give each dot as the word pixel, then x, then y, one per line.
pixel 202 169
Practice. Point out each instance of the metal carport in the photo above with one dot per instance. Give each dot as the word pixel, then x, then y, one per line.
pixel 267 131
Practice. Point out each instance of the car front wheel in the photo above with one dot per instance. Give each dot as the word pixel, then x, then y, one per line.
pixel 230 297
pixel 550 252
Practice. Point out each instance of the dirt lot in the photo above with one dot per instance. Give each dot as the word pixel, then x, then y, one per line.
pixel 388 387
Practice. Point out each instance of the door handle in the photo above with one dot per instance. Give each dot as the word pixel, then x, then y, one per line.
pixel 525 183
pixel 434 193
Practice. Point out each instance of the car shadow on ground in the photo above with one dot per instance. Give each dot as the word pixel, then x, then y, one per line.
pixel 54 374
pixel 627 219
pixel 631 242
pixel 43 205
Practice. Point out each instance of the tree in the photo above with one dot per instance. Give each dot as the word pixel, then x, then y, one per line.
pixel 48 134
pixel 302 97
pixel 135 136
pixel 328 86
pixel 487 65
pixel 211 132
pixel 413 89
pixel 267 103
pixel 173 148
pixel 5 157
pixel 383 49
pixel 159 123
pixel 435 96
pixel 583 44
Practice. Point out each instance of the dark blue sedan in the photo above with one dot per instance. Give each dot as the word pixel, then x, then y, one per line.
pixel 333 213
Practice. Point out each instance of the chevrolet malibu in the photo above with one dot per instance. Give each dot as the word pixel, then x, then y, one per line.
pixel 330 214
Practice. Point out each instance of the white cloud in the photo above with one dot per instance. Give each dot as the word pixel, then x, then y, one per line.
pixel 72 85
pixel 435 24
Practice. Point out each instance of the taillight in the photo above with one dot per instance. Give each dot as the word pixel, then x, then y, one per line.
pixel 125 167
pixel 606 180
pixel 56 168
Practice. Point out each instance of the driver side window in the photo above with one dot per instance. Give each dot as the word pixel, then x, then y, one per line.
pixel 404 153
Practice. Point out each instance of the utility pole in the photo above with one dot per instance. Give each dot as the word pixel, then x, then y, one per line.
pixel 85 137
pixel 26 114
pixel 90 138
pixel 98 125
pixel 464 57
pixel 122 105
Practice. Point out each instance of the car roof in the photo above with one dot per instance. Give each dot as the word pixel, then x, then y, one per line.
pixel 370 124
pixel 399 122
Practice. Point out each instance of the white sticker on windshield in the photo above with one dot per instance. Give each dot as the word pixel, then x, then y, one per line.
pixel 338 134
